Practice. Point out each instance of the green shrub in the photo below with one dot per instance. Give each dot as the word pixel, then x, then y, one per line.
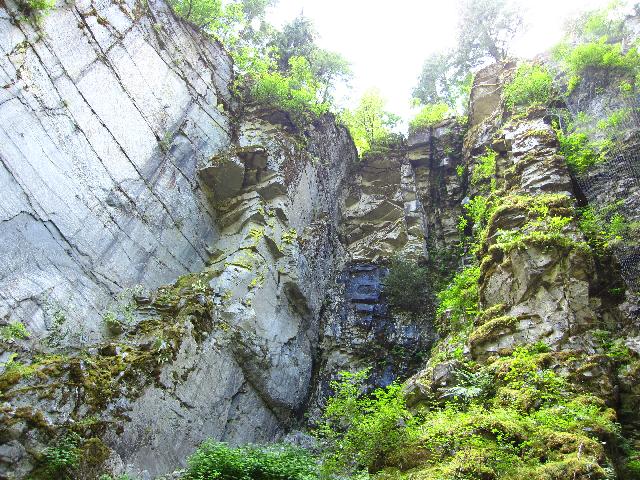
pixel 358 430
pixel 470 386
pixel 459 299
pixel 215 460
pixel 429 115
pixel 634 466
pixel 36 8
pixel 531 85
pixel 604 227
pixel 14 331
pixel 485 167
pixel 615 120
pixel 479 209
pixel 406 286
pixel 580 152
pixel 601 54
pixel 296 92
pixel 594 41
pixel 61 459
pixel 513 418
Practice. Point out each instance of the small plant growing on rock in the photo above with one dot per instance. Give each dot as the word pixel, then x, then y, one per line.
pixel 485 167
pixel 471 385
pixel 14 331
pixel 459 301
pixel 113 324
pixel 62 458
pixel 36 8
pixel 162 350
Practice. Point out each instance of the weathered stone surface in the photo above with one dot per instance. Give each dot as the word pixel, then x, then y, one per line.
pixel 107 111
pixel 440 184
pixel 360 330
pixel 485 99
pixel 383 214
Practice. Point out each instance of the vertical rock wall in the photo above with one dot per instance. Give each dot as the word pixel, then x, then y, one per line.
pixel 107 110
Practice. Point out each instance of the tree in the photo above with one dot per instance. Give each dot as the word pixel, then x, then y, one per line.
pixel 203 13
pixel 485 31
pixel 330 68
pixel 285 69
pixel 298 39
pixel 369 123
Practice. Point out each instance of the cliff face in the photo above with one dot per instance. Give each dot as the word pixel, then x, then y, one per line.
pixel 128 165
pixel 108 111
pixel 122 171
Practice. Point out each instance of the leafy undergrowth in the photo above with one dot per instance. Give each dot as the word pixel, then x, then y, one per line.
pixel 513 418
pixel 215 460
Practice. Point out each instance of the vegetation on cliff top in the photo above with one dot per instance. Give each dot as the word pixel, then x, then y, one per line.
pixel 284 69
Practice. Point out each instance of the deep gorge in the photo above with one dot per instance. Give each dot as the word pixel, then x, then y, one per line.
pixel 190 266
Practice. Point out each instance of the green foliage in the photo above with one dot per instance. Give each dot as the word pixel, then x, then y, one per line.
pixel 592 25
pixel 296 92
pixel 429 115
pixel 203 13
pixel 297 39
pixel 633 465
pixel 595 41
pixel 613 347
pixel 547 230
pixel 601 54
pixel 604 227
pixel 485 167
pixel 524 373
pixel 215 460
pixel 285 70
pixel 485 30
pixel 358 431
pixel 111 321
pixel 62 458
pixel 459 300
pixel 532 84
pixel 511 419
pixel 471 385
pixel 370 124
pixel 479 209
pixel 14 331
pixel 439 82
pixel 580 152
pixel 36 8
pixel 615 120
pixel 406 286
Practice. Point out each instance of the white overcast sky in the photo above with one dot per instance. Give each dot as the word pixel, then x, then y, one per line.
pixel 387 41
